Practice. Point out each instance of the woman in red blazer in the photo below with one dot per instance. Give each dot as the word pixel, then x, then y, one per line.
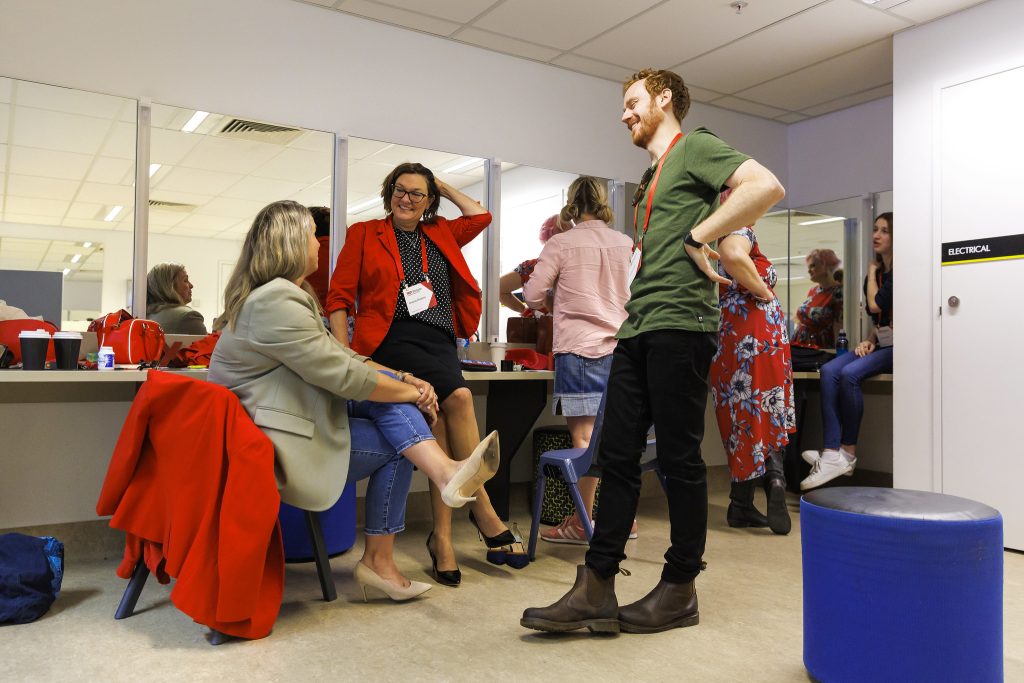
pixel 412 293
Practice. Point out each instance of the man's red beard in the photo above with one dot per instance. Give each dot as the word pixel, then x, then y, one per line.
pixel 649 122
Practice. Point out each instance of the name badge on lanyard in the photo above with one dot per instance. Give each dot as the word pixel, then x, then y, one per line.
pixel 419 297
pixel 636 260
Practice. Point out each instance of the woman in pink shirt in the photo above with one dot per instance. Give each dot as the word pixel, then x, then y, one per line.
pixel 587 267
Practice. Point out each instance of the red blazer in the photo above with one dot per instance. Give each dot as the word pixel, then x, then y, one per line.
pixel 367 273
pixel 191 482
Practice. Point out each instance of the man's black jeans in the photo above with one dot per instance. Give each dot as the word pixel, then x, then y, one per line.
pixel 658 377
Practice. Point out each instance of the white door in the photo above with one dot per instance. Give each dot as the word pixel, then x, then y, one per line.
pixel 980 154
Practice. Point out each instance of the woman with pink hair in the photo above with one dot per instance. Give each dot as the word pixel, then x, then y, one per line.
pixel 520 275
pixel 820 316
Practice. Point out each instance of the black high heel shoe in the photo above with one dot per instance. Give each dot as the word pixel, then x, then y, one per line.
pixel 445 577
pixel 501 549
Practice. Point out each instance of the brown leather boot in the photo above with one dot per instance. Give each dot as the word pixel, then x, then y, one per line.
pixel 668 605
pixel 589 604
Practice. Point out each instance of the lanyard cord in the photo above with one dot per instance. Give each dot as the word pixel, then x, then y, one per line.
pixel 650 195
pixel 423 253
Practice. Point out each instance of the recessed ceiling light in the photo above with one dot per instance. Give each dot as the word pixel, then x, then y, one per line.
pixel 153 168
pixel 364 205
pixel 194 122
pixel 113 213
pixel 66 271
pixel 76 258
pixel 823 220
pixel 463 165
pixel 86 244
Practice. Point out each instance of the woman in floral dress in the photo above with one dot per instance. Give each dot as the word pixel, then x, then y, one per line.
pixel 752 383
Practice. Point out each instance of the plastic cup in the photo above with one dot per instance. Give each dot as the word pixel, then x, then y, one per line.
pixel 497 352
pixel 34 344
pixel 66 346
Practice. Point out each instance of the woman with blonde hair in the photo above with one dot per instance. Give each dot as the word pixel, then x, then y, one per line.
pixel 332 414
pixel 587 267
pixel 168 293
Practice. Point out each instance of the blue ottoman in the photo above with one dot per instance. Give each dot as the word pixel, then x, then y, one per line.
pixel 901 586
pixel 338 522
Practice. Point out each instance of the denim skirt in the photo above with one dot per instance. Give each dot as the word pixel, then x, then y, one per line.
pixel 579 384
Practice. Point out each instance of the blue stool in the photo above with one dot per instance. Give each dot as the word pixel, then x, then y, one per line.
pixel 338 523
pixel 901 586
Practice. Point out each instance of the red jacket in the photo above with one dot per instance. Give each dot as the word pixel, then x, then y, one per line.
pixel 367 273
pixel 191 482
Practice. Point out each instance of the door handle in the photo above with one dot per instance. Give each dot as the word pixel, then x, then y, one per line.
pixel 953 301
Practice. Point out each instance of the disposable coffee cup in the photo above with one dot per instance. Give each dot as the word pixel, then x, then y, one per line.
pixel 33 349
pixel 506 365
pixel 66 346
pixel 497 352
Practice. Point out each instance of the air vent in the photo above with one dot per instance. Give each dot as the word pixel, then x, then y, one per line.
pixel 171 206
pixel 241 129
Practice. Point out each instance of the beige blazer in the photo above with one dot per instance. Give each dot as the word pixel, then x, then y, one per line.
pixel 180 319
pixel 293 378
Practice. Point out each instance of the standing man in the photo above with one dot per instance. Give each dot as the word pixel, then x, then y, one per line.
pixel 660 365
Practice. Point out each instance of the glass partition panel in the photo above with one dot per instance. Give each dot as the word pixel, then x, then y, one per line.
pixel 370 161
pixel 772 233
pixel 67 169
pixel 528 196
pixel 209 176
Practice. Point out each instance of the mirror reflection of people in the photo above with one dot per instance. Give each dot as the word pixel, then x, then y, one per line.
pixel 415 296
pixel 320 280
pixel 752 382
pixel 820 317
pixel 520 275
pixel 587 267
pixel 168 293
pixel 842 399
pixel 301 387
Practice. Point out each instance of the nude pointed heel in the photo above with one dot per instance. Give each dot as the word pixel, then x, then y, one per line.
pixel 367 578
pixel 478 469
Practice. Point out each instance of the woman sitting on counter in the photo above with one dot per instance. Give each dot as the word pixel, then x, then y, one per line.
pixel 302 388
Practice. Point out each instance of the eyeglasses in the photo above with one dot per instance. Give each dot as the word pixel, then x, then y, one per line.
pixel 414 195
pixel 642 187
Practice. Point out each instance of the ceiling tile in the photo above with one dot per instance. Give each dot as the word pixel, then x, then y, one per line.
pixel 238 209
pixel 111 195
pixel 400 17
pixel 164 217
pixel 700 94
pixel 54 208
pixel 849 101
pixel 563 24
pixel 748 107
pixel 812 36
pixel 926 10
pixel 205 222
pixel 398 154
pixel 69 100
pixel 678 30
pixel 193 198
pixel 365 177
pixel 229 156
pixel 322 3
pixel 5 116
pixel 492 41
pixel 121 142
pixel 593 67
pixel 5 89
pixel 317 195
pixel 461 11
pixel 48 164
pixel 171 146
pixel 315 141
pixel 862 69
pixel 85 210
pixel 53 130
pixel 262 189
pixel 112 171
pixel 297 165
pixel 3 158
pixel 790 118
pixel 360 148
pixel 197 181
pixel 41 188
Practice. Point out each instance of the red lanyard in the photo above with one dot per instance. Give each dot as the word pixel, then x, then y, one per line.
pixel 423 252
pixel 650 195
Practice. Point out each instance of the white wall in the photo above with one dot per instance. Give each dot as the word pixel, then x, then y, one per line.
pixel 843 154
pixel 292 63
pixel 977 41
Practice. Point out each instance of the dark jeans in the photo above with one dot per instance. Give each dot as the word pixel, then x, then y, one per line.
pixel 842 400
pixel 659 377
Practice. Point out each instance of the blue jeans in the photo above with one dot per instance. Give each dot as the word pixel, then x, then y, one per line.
pixel 842 402
pixel 380 433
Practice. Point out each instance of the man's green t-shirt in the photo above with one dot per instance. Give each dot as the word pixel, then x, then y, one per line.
pixel 669 292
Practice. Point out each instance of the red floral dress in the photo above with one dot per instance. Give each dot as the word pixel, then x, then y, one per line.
pixel 817 317
pixel 751 374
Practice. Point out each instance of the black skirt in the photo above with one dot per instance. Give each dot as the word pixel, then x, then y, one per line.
pixel 424 350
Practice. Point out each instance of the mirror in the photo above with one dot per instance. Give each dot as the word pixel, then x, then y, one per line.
pixel 209 176
pixel 67 169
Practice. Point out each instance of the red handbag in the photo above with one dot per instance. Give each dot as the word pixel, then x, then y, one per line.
pixel 134 341
pixel 105 323
pixel 10 329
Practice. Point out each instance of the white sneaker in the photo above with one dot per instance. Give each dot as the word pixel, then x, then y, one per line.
pixel 812 458
pixel 826 469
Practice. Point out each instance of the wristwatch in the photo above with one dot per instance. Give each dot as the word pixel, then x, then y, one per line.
pixel 692 242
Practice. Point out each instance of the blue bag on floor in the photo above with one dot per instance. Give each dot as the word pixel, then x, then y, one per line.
pixel 31 570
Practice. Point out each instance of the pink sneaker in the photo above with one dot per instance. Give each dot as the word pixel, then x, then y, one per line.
pixel 569 531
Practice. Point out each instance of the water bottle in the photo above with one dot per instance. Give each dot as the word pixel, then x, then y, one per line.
pixel 463 348
pixel 842 344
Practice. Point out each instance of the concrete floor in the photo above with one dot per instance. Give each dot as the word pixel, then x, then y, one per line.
pixel 750 629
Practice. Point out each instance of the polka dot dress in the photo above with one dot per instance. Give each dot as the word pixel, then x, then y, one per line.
pixel 439 316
